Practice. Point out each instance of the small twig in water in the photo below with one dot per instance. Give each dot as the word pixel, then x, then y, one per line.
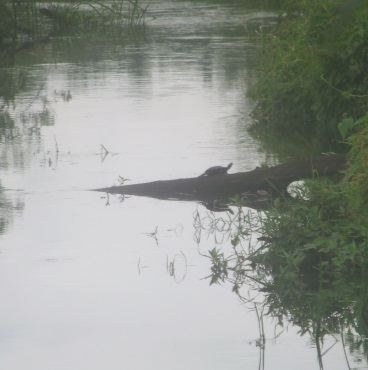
pixel 139 266
pixel 170 267
pixel 104 149
pixel 104 153
pixel 107 199
pixel 178 230
pixel 56 144
pixel 57 152
pixel 152 234
pixel 122 179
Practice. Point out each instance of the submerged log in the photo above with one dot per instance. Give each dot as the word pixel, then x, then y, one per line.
pixel 262 180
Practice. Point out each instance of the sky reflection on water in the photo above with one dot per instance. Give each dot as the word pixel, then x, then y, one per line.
pixel 83 286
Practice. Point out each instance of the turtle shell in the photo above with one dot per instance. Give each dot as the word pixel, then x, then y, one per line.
pixel 217 170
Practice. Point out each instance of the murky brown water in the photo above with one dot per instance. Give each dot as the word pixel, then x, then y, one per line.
pixel 83 286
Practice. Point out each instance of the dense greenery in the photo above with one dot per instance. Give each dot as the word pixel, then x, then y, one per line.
pixel 310 260
pixel 314 68
pixel 313 80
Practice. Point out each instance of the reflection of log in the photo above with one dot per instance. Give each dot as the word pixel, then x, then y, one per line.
pixel 207 188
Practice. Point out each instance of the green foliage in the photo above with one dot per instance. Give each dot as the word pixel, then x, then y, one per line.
pixel 311 259
pixel 357 173
pixel 328 232
pixel 314 68
pixel 311 263
pixel 219 267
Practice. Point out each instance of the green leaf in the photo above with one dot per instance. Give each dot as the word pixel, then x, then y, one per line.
pixel 345 125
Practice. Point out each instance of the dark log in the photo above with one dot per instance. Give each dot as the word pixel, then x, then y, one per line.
pixel 258 182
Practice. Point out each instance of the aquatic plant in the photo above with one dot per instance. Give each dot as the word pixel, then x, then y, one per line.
pixel 308 266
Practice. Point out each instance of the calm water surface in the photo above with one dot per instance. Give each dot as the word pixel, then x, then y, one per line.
pixel 83 286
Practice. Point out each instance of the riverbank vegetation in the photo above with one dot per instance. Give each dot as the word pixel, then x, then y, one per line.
pixel 313 81
pixel 310 260
pixel 304 260
pixel 313 69
pixel 32 20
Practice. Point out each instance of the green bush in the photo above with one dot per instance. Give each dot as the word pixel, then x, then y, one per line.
pixel 313 68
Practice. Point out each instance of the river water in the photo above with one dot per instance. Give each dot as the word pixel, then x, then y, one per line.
pixel 85 284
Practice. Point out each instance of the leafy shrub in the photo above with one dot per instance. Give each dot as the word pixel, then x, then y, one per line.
pixel 314 68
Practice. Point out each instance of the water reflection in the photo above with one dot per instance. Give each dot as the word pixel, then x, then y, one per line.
pixel 319 300
pixel 9 209
pixel 125 287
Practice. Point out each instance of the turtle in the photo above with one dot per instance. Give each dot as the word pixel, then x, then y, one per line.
pixel 217 170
